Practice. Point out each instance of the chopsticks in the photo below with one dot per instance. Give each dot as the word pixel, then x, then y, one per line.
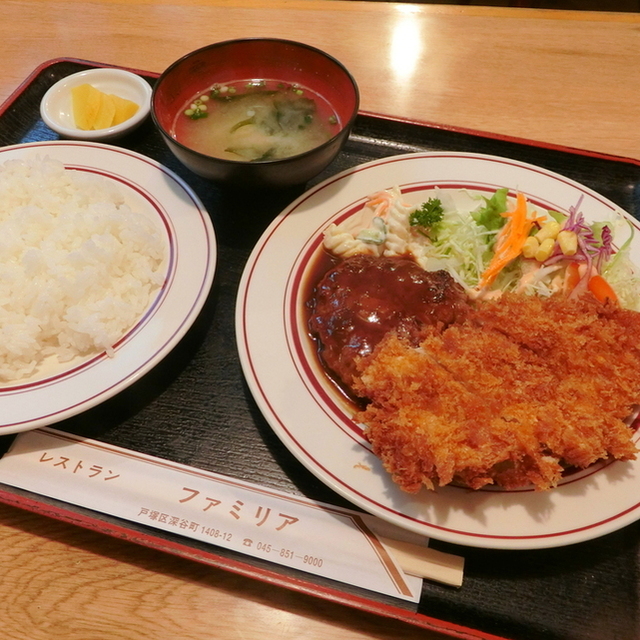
pixel 425 562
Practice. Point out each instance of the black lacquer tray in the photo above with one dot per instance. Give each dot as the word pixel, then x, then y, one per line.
pixel 194 408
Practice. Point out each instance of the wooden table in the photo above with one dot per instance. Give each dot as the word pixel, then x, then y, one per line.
pixel 568 78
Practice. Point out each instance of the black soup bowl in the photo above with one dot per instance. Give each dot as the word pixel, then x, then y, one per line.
pixel 313 86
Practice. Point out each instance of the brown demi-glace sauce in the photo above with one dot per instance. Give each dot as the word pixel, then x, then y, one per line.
pixel 361 298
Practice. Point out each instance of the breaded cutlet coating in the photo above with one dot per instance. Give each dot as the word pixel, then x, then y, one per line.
pixel 520 390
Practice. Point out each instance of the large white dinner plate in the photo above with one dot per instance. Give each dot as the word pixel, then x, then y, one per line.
pixel 313 421
pixel 156 192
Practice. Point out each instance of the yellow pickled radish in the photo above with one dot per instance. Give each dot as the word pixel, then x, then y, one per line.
pixel 125 109
pixel 86 104
pixel 106 112
pixel 94 109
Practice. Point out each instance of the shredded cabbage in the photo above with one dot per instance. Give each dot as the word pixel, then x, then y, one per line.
pixel 463 246
pixel 622 274
pixel 462 243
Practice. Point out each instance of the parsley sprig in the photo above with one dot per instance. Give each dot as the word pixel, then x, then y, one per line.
pixel 427 216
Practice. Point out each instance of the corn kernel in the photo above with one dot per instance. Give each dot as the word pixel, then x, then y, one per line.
pixel 530 247
pixel 549 229
pixel 545 249
pixel 568 242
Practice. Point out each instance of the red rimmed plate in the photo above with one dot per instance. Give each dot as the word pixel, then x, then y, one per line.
pixel 312 419
pixel 61 391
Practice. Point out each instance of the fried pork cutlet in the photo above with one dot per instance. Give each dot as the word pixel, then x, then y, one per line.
pixel 522 389
pixel 364 297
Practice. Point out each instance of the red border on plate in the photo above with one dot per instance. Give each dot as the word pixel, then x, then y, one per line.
pixel 315 386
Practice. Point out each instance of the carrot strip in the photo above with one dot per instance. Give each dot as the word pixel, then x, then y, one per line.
pixel 509 241
pixel 571 277
pixel 601 289
pixel 382 197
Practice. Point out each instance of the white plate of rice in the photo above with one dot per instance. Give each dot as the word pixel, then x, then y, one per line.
pixel 106 259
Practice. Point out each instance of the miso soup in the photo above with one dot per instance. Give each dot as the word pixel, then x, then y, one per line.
pixel 255 120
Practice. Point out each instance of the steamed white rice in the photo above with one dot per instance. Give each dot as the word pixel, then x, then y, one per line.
pixel 78 267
